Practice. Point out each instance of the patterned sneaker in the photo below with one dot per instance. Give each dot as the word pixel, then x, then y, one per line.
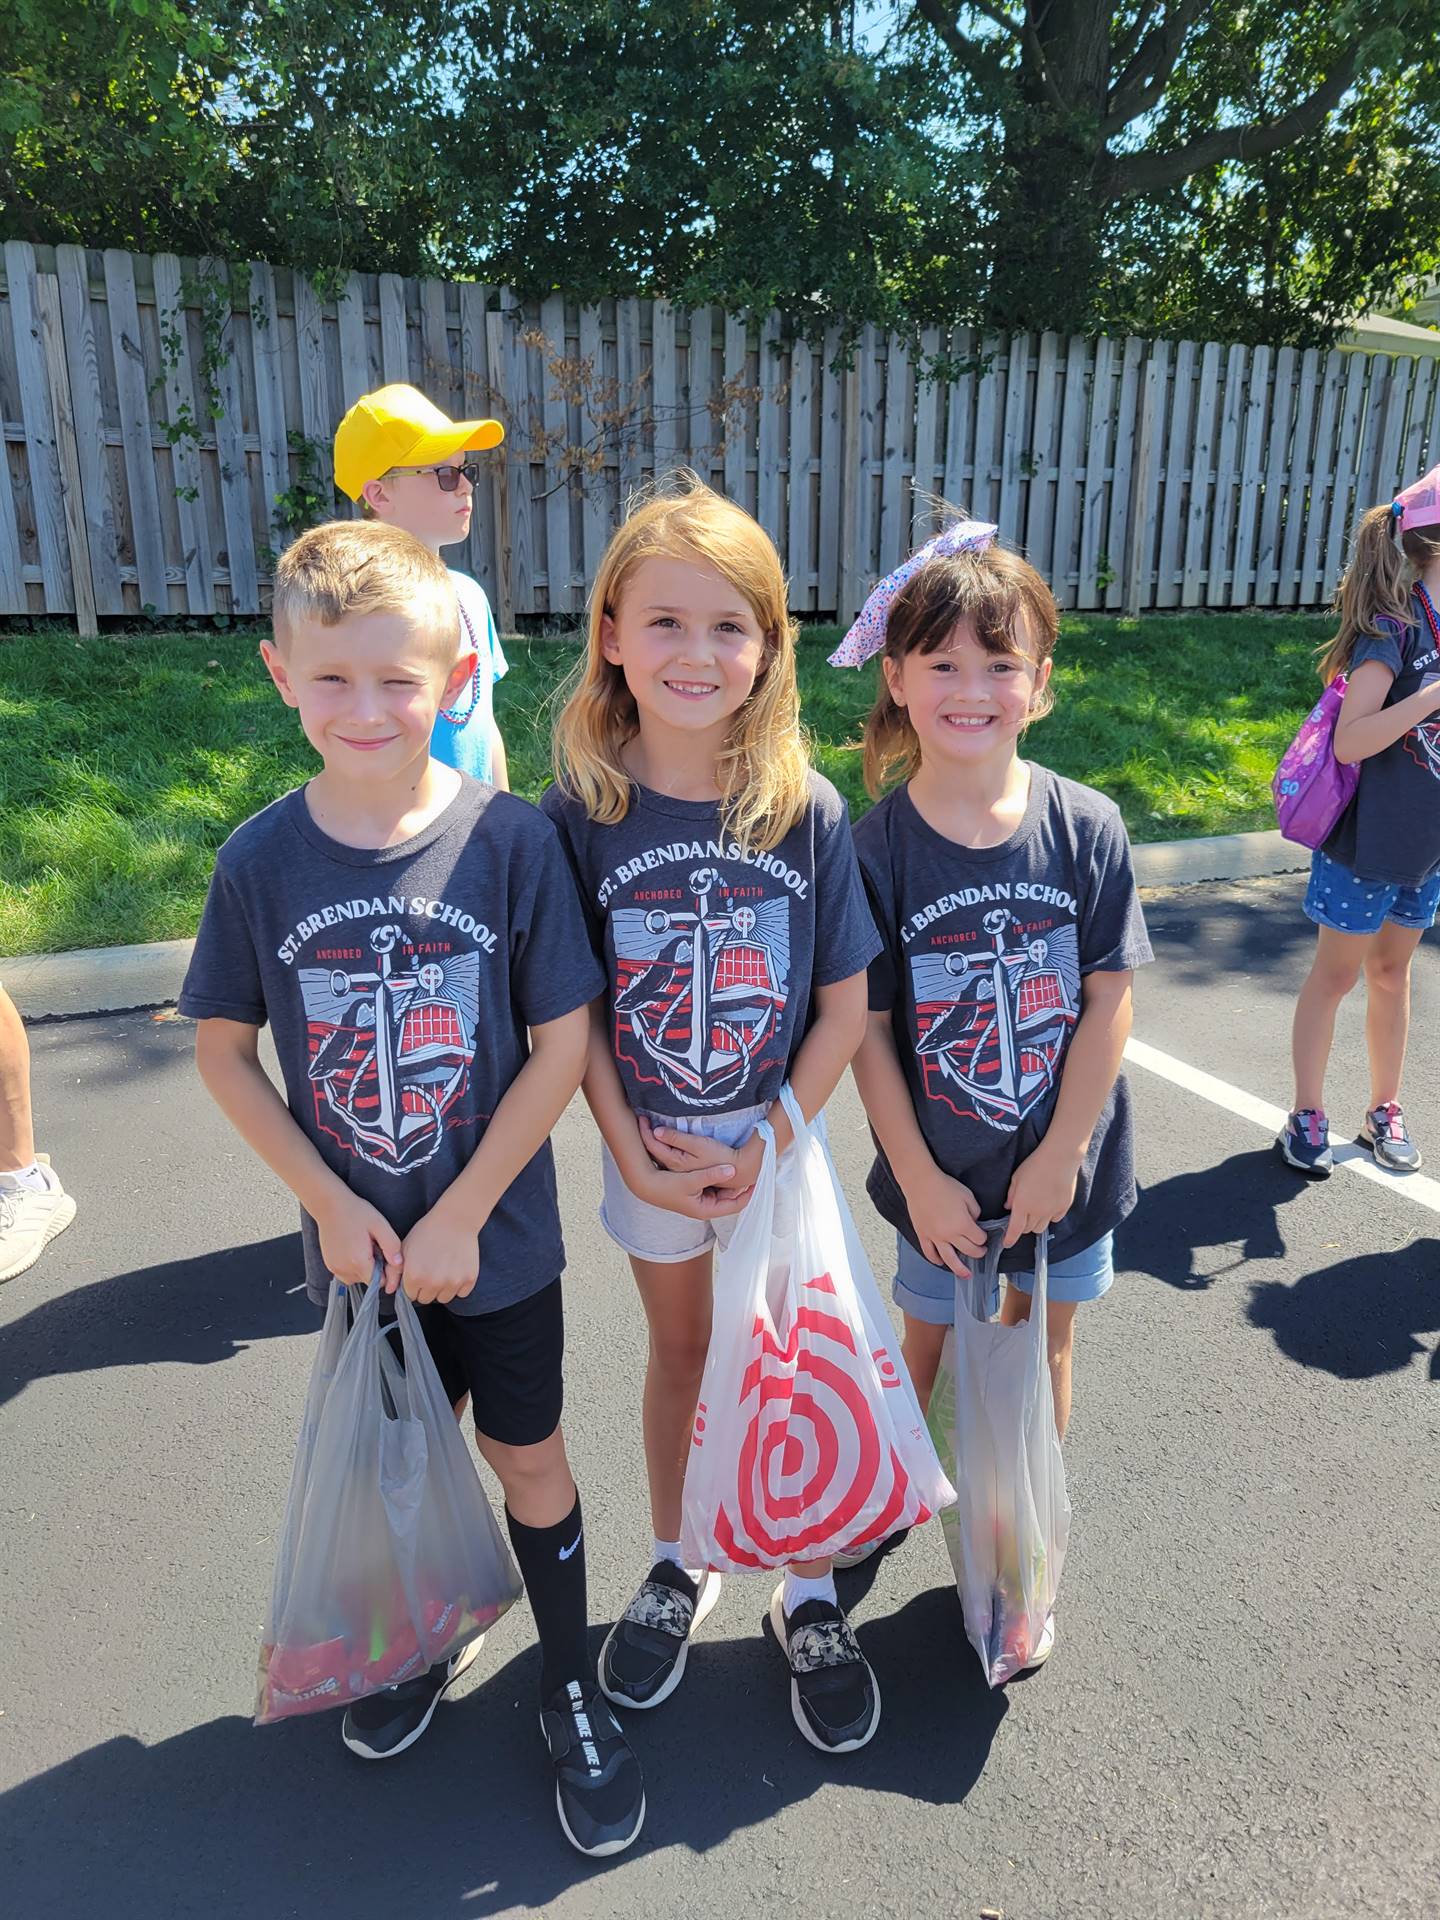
pixel 599 1792
pixel 643 1658
pixel 30 1218
pixel 384 1724
pixel 1305 1143
pixel 833 1695
pixel 1385 1135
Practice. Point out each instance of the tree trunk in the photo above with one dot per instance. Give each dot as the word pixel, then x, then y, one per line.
pixel 1050 198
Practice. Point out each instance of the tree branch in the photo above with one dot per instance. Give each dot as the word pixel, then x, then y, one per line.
pixel 1022 32
pixel 1148 72
pixel 1150 172
pixel 1123 50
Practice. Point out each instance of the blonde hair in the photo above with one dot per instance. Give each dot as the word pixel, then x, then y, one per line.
pixel 349 567
pixel 762 772
pixel 1012 611
pixel 1377 583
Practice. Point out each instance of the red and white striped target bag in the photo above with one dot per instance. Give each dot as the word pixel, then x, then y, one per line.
pixel 808 1439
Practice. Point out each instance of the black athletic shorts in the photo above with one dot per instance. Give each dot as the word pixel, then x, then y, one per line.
pixel 510 1362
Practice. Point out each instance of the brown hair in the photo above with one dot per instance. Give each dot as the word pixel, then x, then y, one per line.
pixel 1006 602
pixel 1378 582
pixel 351 567
pixel 763 773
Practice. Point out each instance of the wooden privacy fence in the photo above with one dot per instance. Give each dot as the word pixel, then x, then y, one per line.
pixel 167 427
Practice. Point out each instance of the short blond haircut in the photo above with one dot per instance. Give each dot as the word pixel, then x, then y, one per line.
pixel 349 567
pixel 763 774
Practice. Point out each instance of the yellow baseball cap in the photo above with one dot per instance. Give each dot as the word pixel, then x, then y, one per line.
pixel 398 427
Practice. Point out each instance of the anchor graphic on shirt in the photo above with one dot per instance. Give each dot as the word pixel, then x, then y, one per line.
pixel 997 1034
pixel 702 992
pixel 392 1050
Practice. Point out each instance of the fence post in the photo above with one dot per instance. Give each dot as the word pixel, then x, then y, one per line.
pixel 849 597
pixel 495 352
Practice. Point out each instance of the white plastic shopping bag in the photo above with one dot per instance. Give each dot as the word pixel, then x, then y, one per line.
pixel 808 1439
pixel 390 1559
pixel 992 1416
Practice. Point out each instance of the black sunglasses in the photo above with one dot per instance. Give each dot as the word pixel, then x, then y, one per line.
pixel 448 478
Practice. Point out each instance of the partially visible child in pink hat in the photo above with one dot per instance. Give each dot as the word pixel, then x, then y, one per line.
pixel 411 465
pixel 1375 884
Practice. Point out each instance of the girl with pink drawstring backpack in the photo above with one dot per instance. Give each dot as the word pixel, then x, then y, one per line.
pixel 1361 785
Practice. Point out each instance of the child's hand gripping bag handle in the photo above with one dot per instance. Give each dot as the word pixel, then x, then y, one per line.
pixel 742 1273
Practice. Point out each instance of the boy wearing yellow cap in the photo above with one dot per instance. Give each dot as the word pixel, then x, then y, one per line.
pixel 406 463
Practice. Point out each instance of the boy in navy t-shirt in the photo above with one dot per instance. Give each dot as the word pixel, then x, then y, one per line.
pixel 414 941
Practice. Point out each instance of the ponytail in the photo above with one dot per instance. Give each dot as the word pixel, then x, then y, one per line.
pixel 1376 585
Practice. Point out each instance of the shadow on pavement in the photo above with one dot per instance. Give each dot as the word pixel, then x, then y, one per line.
pixel 1361 1317
pixel 1197 1228
pixel 233 1823
pixel 1201 934
pixel 193 1311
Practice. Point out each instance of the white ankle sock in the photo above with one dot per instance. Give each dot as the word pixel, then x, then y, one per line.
pixel 799 1590
pixel 670 1550
pixel 32 1177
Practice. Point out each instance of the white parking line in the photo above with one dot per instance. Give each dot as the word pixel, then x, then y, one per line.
pixel 1418 1187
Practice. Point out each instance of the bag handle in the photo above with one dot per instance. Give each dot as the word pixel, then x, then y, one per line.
pixel 980 1293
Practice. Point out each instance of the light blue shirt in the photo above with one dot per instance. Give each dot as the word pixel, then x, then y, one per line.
pixel 465 743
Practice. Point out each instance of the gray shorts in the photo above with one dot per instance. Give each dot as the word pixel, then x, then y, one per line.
pixel 654 1233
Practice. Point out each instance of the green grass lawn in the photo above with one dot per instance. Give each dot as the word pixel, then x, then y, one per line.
pixel 125 760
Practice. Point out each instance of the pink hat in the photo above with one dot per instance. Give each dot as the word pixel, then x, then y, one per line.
pixel 1418 505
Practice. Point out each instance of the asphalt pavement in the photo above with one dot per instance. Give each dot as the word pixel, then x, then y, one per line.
pixel 1240 1716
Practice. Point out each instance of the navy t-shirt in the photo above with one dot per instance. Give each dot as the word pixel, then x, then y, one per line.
pixel 398 983
pixel 985 951
pixel 1391 829
pixel 713 955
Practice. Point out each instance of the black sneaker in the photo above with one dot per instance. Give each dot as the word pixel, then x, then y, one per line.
pixel 1304 1143
pixel 833 1694
pixel 599 1793
pixel 643 1658
pixel 1388 1138
pixel 384 1724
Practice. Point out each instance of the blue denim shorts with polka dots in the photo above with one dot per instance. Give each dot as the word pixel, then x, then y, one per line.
pixel 1340 899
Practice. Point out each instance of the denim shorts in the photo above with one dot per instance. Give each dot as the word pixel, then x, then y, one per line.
pixel 927 1292
pixel 654 1233
pixel 1341 900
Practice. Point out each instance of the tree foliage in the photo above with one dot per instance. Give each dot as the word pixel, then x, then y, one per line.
pixel 1243 168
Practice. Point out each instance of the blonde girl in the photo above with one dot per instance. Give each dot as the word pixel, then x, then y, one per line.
pixel 719 877
pixel 1375 884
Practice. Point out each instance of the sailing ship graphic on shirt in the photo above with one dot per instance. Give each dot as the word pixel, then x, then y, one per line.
pixel 1422 743
pixel 701 988
pixel 992 1025
pixel 391 1049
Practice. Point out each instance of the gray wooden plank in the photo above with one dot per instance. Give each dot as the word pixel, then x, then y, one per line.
pixel 596 515
pixel 1298 487
pixel 1388 479
pixel 1012 478
pixel 42 458
pixel 800 500
pixel 83 365
pixel 132 380
pixel 394 344
pixel 556 415
pixel 1201 498
pixel 478 402
pixel 1412 459
pixel 1127 426
pixel 827 581
pixel 198 548
pixel 1311 569
pixel 519 446
pixel 1040 501
pixel 1097 446
pixel 1337 533
pixel 960 421
pixel 354 353
pixel 13 597
pixel 52 341
pixel 1139 586
pixel 769 493
pixel 1252 475
pixel 1068 477
pixel 437 369
pixel 987 409
pixel 928 455
pixel 315 421
pixel 235 489
pixel 1225 493
pixel 737 350
pixel 496 353
pixel 700 429
pixel 867 497
pixel 1377 383
pixel 894 493
pixel 269 394
pixel 1277 445
pixel 1179 435
pixel 665 388
pixel 634 396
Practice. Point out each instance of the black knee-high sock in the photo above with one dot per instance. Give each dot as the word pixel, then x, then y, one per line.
pixel 552 1565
